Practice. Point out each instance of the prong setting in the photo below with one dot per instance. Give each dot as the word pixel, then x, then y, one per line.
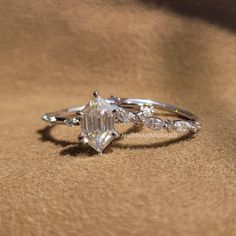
pixel 82 139
pixel 79 113
pixel 96 94
pixel 115 111
pixel 116 134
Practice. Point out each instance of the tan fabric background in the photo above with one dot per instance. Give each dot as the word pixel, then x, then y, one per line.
pixel 53 54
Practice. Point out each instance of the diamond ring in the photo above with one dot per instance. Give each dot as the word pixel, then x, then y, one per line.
pixel 99 117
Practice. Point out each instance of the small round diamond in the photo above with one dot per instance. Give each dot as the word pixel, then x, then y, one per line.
pixel 72 122
pixel 147 111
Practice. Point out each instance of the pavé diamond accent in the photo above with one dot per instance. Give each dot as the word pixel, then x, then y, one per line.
pixel 98 123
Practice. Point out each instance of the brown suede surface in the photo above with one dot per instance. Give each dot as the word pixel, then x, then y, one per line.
pixel 53 54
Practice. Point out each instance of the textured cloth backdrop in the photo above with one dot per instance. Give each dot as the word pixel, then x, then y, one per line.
pixel 53 54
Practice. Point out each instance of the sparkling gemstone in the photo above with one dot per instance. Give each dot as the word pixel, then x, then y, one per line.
pixel 72 122
pixel 182 126
pixel 98 123
pixel 195 126
pixel 125 116
pixel 154 123
pixel 147 111
pixel 48 118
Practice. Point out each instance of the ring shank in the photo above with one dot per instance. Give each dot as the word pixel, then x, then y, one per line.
pixel 159 105
pixel 59 117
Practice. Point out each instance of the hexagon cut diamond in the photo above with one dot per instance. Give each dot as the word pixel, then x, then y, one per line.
pixel 98 123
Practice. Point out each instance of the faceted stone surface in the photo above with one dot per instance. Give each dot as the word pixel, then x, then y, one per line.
pixel 182 126
pixel 124 116
pixel 147 111
pixel 98 123
pixel 154 123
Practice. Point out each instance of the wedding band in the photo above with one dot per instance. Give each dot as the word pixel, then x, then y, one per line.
pixel 99 117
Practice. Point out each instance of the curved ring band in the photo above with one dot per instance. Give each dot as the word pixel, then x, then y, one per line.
pixel 98 117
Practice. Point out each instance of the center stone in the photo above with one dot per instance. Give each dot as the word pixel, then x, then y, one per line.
pixel 98 123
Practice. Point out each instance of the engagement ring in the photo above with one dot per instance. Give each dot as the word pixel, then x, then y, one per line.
pixel 99 117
